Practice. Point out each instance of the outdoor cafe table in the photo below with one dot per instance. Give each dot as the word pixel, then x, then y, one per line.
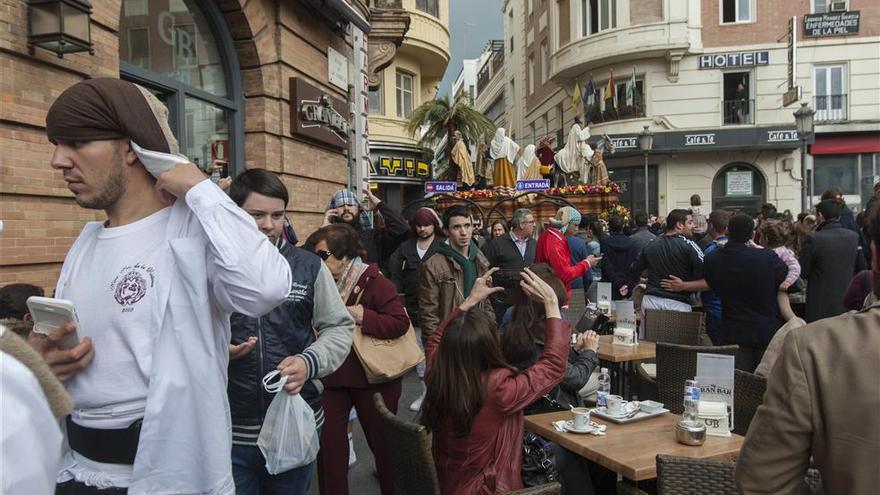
pixel 620 356
pixel 630 449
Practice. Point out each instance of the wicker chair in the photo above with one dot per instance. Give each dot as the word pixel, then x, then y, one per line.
pixel 677 363
pixel 688 476
pixel 675 327
pixel 409 445
pixel 578 300
pixel 748 394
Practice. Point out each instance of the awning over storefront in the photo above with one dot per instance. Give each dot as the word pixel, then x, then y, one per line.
pixel 707 140
pixel 846 144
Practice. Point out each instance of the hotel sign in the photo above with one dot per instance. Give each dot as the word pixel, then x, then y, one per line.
pixel 741 59
pixel 831 24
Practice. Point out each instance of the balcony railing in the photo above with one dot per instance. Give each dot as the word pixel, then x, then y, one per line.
pixel 830 108
pixel 739 112
pixel 622 112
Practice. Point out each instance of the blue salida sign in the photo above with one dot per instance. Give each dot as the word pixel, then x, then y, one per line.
pixel 440 187
pixel 533 185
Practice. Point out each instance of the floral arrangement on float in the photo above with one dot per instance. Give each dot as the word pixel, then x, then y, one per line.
pixel 508 192
pixel 617 209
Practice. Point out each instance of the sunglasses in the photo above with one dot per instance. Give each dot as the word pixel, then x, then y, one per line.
pixel 324 254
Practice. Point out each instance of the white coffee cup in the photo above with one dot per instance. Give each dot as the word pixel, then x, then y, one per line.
pixel 580 418
pixel 614 404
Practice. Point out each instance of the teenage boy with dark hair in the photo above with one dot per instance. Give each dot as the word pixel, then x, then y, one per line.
pixel 447 278
pixel 305 338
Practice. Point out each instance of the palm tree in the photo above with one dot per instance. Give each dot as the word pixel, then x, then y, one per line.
pixel 441 119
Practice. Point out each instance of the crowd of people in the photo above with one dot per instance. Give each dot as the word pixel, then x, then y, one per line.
pixel 188 295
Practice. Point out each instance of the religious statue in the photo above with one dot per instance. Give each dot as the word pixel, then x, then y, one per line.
pixel 598 171
pixel 462 161
pixel 528 166
pixel 504 153
pixel 571 161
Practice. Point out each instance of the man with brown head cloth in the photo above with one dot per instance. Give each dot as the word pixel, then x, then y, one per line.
pixel 153 288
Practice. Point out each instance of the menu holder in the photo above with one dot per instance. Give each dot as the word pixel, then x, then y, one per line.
pixel 715 377
pixel 603 297
pixel 625 332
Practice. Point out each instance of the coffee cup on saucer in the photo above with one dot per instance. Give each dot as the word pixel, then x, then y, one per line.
pixel 615 405
pixel 580 418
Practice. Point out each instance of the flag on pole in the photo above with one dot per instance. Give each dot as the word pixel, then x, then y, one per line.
pixel 589 94
pixel 576 96
pixel 602 98
pixel 631 89
pixel 610 94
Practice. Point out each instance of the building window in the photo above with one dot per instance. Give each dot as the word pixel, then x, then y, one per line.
pixel 374 96
pixel 531 75
pixel 404 94
pixel 545 62
pixel 733 11
pixel 855 175
pixel 429 7
pixel 561 131
pixel 830 93
pixel 824 6
pixel 531 137
pixel 632 187
pixel 186 58
pixel 598 15
pixel 531 7
pixel 738 105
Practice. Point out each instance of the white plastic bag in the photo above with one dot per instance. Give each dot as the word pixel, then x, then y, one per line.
pixel 288 438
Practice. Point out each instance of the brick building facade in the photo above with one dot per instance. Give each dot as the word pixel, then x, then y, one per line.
pixel 255 47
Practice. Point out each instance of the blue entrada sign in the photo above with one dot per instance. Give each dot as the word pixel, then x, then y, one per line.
pixel 533 185
pixel 440 187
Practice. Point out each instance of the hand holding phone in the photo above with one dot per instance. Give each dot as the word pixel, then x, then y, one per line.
pixel 55 338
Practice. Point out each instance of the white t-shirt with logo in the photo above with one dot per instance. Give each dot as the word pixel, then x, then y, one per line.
pixel 113 290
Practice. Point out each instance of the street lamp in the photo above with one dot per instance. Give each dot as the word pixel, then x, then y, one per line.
pixel 646 142
pixel 60 26
pixel 803 119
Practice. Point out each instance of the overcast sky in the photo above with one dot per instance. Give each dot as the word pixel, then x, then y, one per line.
pixel 471 24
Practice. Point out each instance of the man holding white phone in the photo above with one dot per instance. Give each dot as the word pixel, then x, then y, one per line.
pixel 153 288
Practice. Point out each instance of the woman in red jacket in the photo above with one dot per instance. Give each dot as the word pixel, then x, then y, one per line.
pixel 373 303
pixel 553 249
pixel 475 400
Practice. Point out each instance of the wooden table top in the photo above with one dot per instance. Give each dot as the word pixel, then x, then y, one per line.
pixel 621 353
pixel 630 449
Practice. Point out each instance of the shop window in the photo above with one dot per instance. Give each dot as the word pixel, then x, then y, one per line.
pixel 830 93
pixel 837 171
pixel 733 11
pixel 598 15
pixel 185 56
pixel 404 94
pixel 632 187
pixel 738 106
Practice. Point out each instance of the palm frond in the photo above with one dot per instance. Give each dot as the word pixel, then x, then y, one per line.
pixel 439 117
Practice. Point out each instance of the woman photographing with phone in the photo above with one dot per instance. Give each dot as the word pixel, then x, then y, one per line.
pixel 475 400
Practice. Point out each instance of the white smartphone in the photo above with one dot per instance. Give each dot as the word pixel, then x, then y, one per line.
pixel 49 313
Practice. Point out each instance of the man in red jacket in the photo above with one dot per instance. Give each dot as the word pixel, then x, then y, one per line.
pixel 553 249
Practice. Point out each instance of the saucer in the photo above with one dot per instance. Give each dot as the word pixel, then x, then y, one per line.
pixel 570 428
pixel 627 409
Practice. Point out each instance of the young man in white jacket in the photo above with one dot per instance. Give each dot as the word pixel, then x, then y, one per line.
pixel 153 288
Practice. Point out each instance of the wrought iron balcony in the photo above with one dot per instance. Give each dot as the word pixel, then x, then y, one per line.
pixel 830 108
pixel 739 112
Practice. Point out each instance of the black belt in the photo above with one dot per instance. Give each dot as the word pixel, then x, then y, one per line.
pixel 117 446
